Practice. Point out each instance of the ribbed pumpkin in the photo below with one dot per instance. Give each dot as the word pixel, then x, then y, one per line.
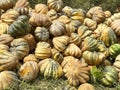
pixel 75 71
pixel 86 86
pixel 52 14
pixel 31 41
pixel 75 38
pixel 3 28
pixel 9 16
pixel 83 31
pixel 110 76
pixel 7 60
pixel 19 47
pixel 78 14
pixel 116 64
pixel 22 10
pixel 39 20
pixel 90 23
pixel 114 50
pixel 115 25
pixel 7 4
pixel 64 19
pixel 108 36
pixel 41 34
pixel 41 8
pixel 89 43
pixel 5 39
pixel 43 50
pixel 56 55
pixel 49 68
pixel 57 28
pixel 30 57
pixel 107 14
pixel 61 42
pixel 55 4
pixel 19 27
pixel 4 47
pixel 73 50
pixel 8 79
pixel 93 58
pixel 22 3
pixel 67 10
pixel 28 71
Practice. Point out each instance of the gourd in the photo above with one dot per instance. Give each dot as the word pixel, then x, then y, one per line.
pixel 73 50
pixel 67 10
pixel 19 27
pixel 55 4
pixel 52 14
pixel 4 47
pixel 93 58
pixel 28 71
pixel 107 14
pixel 61 42
pixel 8 79
pixel 49 68
pixel 3 28
pixel 41 8
pixel 75 71
pixel 7 60
pixel 43 50
pixel 64 19
pixel 116 64
pixel 86 86
pixel 19 47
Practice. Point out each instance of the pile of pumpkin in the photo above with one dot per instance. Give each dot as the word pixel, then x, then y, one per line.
pixel 55 41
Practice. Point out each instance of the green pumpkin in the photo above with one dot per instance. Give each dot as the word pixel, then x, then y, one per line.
pixel 114 50
pixel 49 68
pixel 19 27
pixel 7 60
pixel 109 76
pixel 19 47
pixel 93 58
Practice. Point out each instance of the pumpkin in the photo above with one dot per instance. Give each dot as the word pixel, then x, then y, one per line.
pixel 8 79
pixel 90 43
pixel 7 4
pixel 112 18
pixel 73 50
pixel 7 60
pixel 61 42
pixel 108 36
pixel 49 68
pixel 39 20
pixel 110 76
pixel 9 16
pixel 115 25
pixel 116 64
pixel 41 8
pixel 93 58
pixel 43 50
pixel 4 47
pixel 71 27
pixel 19 47
pixel 67 10
pixel 28 71
pixel 107 14
pixel 64 19
pixel 90 23
pixel 78 14
pixel 3 28
pixel 57 28
pixel 69 87
pixel 22 3
pixel 22 10
pixel 75 38
pixel 55 4
pixel 30 57
pixel 41 34
pixel 5 39
pixel 86 86
pixel 75 71
pixel 114 50
pixel 83 31
pixel 52 14
pixel 19 27
pixel 31 41
pixel 56 55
